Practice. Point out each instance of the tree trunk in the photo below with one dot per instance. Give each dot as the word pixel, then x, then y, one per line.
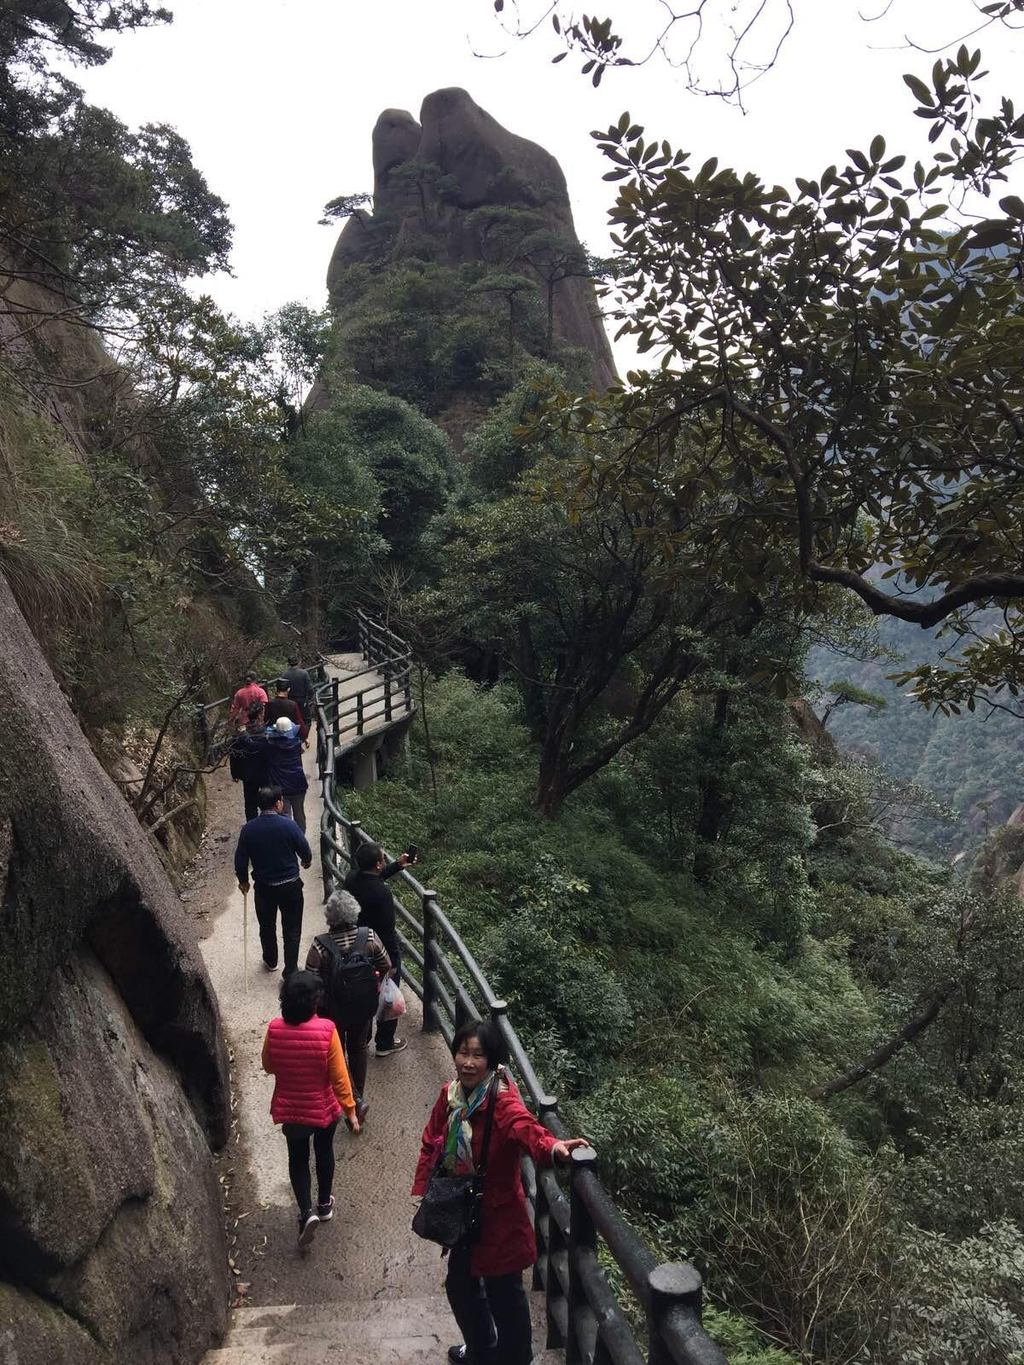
pixel 532 691
pixel 887 1051
pixel 713 805
pixel 555 759
pixel 310 610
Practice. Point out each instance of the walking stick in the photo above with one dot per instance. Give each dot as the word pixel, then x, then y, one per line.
pixel 245 938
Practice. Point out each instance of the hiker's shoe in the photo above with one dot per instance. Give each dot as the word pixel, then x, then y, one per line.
pixel 396 1046
pixel 362 1108
pixel 325 1212
pixel 269 966
pixel 457 1354
pixel 307 1227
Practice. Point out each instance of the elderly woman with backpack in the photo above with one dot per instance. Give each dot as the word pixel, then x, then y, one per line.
pixel 303 1053
pixel 351 962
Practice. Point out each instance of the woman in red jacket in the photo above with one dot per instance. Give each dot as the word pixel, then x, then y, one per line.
pixel 485 1281
pixel 311 1089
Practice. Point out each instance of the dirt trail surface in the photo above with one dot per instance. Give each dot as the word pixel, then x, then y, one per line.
pixel 368 1251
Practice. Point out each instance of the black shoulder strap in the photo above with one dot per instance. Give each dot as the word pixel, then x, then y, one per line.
pixel 360 941
pixel 487 1127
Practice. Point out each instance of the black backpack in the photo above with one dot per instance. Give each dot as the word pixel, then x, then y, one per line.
pixel 350 982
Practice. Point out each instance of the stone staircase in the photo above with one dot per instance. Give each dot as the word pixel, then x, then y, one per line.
pixel 388 1330
pixel 383 1331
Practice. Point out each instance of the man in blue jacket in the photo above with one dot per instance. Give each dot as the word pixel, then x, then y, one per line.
pixel 274 845
pixel 284 767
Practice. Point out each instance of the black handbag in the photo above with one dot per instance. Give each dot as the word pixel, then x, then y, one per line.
pixel 450 1211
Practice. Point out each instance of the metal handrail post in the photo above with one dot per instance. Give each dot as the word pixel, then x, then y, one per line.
pixel 430 963
pixel 387 696
pixel 582 1238
pixel 359 713
pixel 336 727
pixel 355 838
pixel 325 862
pixel 671 1285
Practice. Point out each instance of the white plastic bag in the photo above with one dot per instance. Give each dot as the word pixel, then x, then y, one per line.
pixel 391 1002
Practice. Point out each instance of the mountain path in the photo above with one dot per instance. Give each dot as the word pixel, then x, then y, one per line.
pixel 368 1252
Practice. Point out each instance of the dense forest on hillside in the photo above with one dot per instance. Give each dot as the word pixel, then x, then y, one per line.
pixel 971 764
pixel 795 1041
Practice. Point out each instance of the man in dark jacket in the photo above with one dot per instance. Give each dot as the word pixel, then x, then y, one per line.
pixel 281 704
pixel 300 687
pixel 247 761
pixel 377 911
pixel 274 845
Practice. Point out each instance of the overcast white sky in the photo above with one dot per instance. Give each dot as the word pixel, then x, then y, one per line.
pixel 278 99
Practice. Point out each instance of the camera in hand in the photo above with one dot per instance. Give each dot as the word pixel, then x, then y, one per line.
pixel 412 852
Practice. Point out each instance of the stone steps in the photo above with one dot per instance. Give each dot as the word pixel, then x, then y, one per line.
pixel 382 1331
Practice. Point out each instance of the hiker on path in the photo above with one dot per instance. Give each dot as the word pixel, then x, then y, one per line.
pixel 351 962
pixel 247 760
pixel 377 911
pixel 507 1246
pixel 311 1091
pixel 284 767
pixel 282 705
pixel 247 695
pixel 300 687
pixel 274 845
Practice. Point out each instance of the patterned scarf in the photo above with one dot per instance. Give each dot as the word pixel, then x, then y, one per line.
pixel 458 1144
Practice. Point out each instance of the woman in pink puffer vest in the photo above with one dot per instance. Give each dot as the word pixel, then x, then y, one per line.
pixel 311 1089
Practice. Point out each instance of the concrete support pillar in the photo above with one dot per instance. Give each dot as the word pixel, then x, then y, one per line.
pixel 364 769
pixel 395 750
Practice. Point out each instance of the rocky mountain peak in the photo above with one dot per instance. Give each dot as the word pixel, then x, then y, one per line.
pixel 431 176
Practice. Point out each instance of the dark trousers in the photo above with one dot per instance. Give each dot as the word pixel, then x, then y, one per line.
pixel 504 1301
pixel 295 807
pixel 297 1136
pixel 356 1042
pixel 287 899
pixel 387 1028
pixel 250 793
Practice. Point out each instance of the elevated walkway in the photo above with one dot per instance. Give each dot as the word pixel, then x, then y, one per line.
pixel 369 1292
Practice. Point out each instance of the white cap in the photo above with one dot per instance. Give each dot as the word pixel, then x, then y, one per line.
pixel 283 725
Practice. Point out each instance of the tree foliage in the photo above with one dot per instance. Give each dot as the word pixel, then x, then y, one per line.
pixel 840 383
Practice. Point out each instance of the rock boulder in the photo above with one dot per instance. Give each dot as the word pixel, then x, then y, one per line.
pixel 113 1072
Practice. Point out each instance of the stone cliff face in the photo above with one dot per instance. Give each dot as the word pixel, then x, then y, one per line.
pixel 113 1073
pixel 478 164
pixel 999 867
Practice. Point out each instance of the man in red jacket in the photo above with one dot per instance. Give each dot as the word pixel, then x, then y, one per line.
pixel 248 695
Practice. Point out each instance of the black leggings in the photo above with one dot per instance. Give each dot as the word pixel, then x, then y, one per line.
pixel 505 1303
pixel 297 1136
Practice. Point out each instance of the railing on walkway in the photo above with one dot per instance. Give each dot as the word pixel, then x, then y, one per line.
pixel 352 710
pixel 584 1317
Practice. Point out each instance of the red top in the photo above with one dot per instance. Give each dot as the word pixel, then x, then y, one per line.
pixel 311 1083
pixel 507 1243
pixel 245 697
